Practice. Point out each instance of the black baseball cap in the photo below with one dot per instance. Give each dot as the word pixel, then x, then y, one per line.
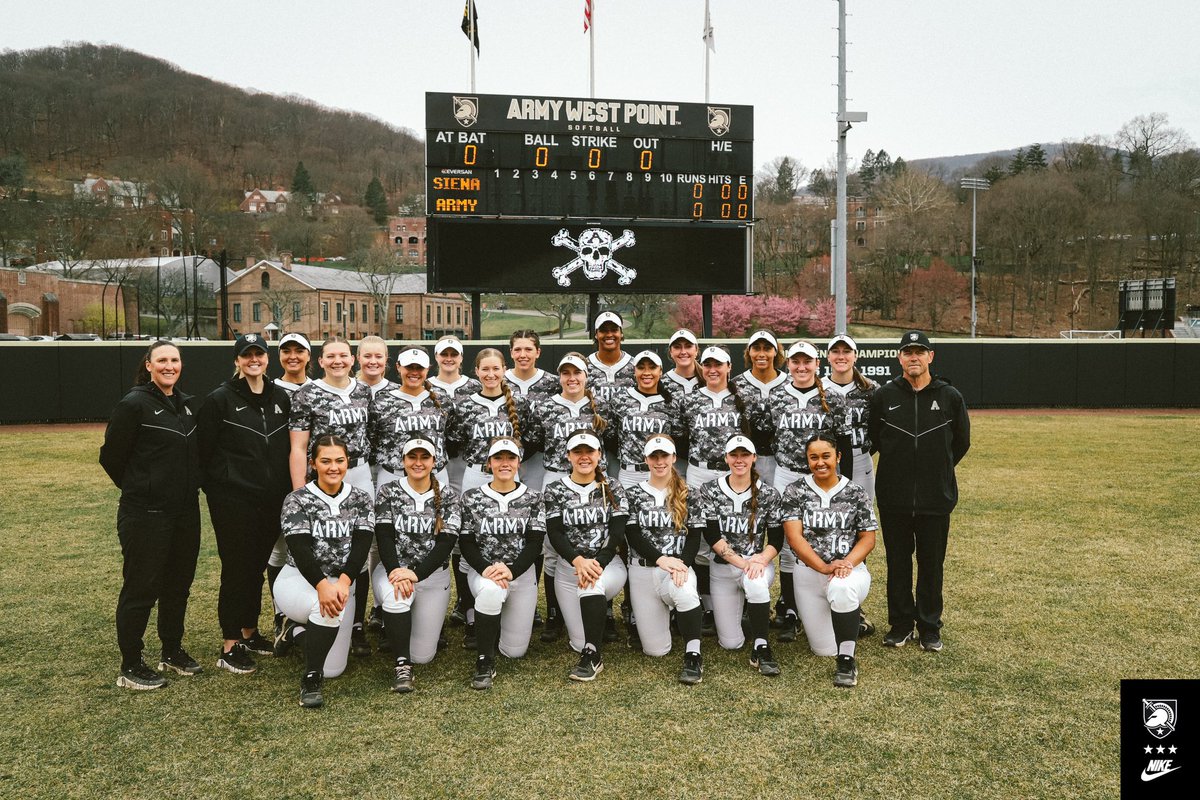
pixel 247 341
pixel 915 339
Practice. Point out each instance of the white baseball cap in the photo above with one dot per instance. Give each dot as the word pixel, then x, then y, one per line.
pixel 608 316
pixel 298 338
pixel 659 444
pixel 683 333
pixel 447 343
pixel 715 353
pixel 843 337
pixel 574 361
pixel 419 444
pixel 647 354
pixel 504 445
pixel 414 356
pixel 766 335
pixel 583 438
pixel 802 347
pixel 740 442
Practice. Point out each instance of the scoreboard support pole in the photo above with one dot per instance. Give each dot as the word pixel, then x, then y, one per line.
pixel 593 311
pixel 706 306
pixel 476 318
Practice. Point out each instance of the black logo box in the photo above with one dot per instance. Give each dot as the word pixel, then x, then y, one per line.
pixel 1139 776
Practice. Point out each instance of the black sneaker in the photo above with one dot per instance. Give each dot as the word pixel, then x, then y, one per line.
pixel 141 677
pixel 762 658
pixel 610 629
pixel 865 626
pixel 590 665
pixel 846 673
pixel 402 680
pixel 708 624
pixel 257 643
pixel 693 669
pixel 442 642
pixel 181 662
pixel 485 671
pixel 537 618
pixel 897 636
pixel 553 629
pixel 787 631
pixel 780 612
pixel 931 641
pixel 280 619
pixel 469 640
pixel 359 646
pixel 237 660
pixel 459 615
pixel 285 638
pixel 375 618
pixel 310 690
pixel 634 640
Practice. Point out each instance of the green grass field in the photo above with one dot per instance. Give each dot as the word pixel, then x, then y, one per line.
pixel 1073 564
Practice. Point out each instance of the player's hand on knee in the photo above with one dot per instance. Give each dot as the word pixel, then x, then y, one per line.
pixel 405 589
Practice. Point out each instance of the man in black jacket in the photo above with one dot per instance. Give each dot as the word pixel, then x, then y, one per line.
pixel 919 426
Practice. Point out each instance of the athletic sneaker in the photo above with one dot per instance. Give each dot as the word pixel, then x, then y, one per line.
pixel 553 628
pixel 181 662
pixel 140 676
pixel 787 631
pixel 459 615
pixel 402 682
pixel 469 640
pixel 610 628
pixel 897 636
pixel 537 618
pixel 635 639
pixel 708 624
pixel 359 646
pixel 310 690
pixel 931 641
pixel 762 658
pixel 846 673
pixel 256 643
pixel 375 618
pixel 285 639
pixel 693 669
pixel 485 670
pixel 237 660
pixel 780 612
pixel 280 619
pixel 590 665
pixel 865 626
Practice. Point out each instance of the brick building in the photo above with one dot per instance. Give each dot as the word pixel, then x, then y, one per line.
pixel 34 303
pixel 406 236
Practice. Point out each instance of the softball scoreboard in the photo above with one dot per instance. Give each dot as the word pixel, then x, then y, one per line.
pixel 668 185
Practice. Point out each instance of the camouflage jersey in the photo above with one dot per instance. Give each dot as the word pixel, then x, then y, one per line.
pixel 716 501
pixel 754 394
pixel 320 409
pixel 459 388
pixel 396 417
pixel 292 388
pixel 857 402
pixel 709 421
pixel 832 520
pixel 415 516
pixel 605 381
pixel 584 511
pixel 685 385
pixel 648 510
pixel 638 416
pixel 541 384
pixel 475 420
pixel 795 416
pixel 500 524
pixel 330 521
pixel 552 421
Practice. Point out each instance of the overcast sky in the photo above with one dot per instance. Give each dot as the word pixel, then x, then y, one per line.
pixel 937 77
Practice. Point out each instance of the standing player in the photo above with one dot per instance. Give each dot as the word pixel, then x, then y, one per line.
pixel 855 389
pixel 740 519
pixel 609 369
pixel 417 520
pixel 528 382
pixel 831 528
pixel 661 577
pixel 644 409
pixel 448 352
pixel 684 349
pixel 150 453
pixel 585 519
pixel 503 525
pixel 764 362
pixel 400 412
pixel 372 364
pixel 328 524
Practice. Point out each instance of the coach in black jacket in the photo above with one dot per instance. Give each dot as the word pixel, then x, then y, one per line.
pixel 244 450
pixel 918 423
pixel 150 453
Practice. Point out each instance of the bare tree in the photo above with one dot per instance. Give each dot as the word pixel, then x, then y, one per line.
pixel 560 307
pixel 378 268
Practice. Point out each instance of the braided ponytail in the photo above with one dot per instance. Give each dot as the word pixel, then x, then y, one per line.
pixel 740 404
pixel 597 421
pixel 605 491
pixel 432 394
pixel 821 392
pixel 437 505
pixel 753 506
pixel 860 380
pixel 509 403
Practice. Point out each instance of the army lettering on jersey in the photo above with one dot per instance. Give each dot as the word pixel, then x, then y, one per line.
pixel 605 381
pixel 637 417
pixel 397 417
pixel 415 515
pixel 330 521
pixel 857 401
pixel 731 510
pixel 648 509
pixel 832 520
pixel 796 416
pixel 476 420
pixel 320 409
pixel 501 523
pixel 552 421
pixel 711 419
pixel 584 512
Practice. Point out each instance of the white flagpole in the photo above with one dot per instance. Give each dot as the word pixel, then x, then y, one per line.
pixel 592 52
pixel 707 46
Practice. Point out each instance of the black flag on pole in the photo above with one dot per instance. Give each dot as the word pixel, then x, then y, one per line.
pixel 470 23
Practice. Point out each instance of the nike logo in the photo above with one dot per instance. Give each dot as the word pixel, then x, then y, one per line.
pixel 159 411
pixel 241 408
pixel 1154 775
pixel 893 408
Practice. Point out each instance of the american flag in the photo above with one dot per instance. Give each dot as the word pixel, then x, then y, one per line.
pixel 587 14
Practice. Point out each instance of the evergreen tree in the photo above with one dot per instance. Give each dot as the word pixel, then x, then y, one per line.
pixel 302 183
pixel 376 201
pixel 1035 158
pixel 899 166
pixel 1017 165
pixel 866 168
pixel 786 181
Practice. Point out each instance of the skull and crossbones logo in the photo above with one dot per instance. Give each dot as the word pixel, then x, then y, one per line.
pixel 594 255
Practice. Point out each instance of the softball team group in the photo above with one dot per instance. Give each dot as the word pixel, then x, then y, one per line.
pixel 681 488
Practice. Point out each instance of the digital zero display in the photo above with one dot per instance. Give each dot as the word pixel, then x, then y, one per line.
pixel 514 156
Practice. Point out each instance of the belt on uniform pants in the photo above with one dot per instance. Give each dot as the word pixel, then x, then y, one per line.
pixel 641 562
pixel 695 462
pixel 639 467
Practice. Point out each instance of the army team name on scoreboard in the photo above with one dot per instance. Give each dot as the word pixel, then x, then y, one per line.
pixel 492 155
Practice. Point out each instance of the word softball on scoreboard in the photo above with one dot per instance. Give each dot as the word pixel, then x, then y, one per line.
pixel 505 156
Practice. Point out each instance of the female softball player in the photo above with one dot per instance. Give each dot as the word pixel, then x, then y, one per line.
pixel 764 362
pixel 740 519
pixel 661 577
pixel 585 520
pixel 150 452
pixel 448 352
pixel 503 525
pixel 831 528
pixel 609 368
pixel 328 524
pixel 417 520
pixel 648 407
pixel 372 364
pixel 243 446
pixel 684 349
pixel 856 389
pixel 528 382
pixel 399 412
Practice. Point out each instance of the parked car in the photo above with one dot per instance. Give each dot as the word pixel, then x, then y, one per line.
pixel 78 337
pixel 12 337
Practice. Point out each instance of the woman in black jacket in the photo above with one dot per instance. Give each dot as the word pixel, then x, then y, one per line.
pixel 150 453
pixel 244 445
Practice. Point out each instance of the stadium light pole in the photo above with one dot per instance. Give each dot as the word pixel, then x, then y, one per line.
pixel 976 185
pixel 844 120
